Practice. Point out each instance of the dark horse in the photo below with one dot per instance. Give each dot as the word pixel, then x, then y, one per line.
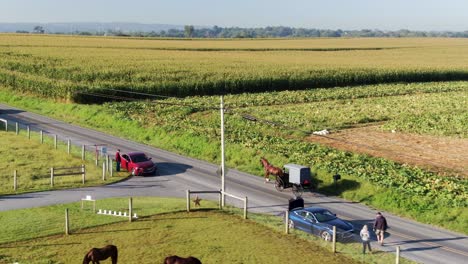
pixel 179 260
pixel 270 169
pixel 97 254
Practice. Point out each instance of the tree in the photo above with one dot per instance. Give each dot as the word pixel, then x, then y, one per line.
pixel 189 31
pixel 38 30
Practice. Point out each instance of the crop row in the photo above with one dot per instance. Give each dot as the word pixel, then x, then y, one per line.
pixel 51 71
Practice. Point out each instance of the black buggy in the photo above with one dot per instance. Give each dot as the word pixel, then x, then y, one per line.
pixel 296 177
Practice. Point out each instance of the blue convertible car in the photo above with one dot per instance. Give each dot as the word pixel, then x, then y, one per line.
pixel 319 221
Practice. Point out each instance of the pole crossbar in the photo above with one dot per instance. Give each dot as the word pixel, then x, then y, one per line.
pixel 205 192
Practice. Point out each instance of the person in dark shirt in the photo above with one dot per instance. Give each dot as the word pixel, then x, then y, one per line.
pixel 117 160
pixel 380 226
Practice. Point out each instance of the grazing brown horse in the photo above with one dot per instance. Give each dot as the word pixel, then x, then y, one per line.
pixel 179 260
pixel 270 169
pixel 96 254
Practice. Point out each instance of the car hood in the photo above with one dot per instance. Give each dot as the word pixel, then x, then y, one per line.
pixel 145 164
pixel 340 224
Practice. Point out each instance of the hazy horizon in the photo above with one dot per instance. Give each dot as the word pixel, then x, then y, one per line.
pixel 428 15
pixel 210 26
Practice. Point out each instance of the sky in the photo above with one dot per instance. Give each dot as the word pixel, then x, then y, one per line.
pixel 324 14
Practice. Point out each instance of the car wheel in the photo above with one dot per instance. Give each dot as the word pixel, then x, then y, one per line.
pixel 291 224
pixel 325 236
pixel 134 172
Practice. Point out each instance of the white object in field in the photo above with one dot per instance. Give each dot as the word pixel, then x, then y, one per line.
pixel 321 132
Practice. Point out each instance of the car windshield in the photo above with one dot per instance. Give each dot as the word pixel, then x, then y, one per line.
pixel 324 216
pixel 139 158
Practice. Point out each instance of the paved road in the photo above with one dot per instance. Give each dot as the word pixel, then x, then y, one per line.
pixel 419 242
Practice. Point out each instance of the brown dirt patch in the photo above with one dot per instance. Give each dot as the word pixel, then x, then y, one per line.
pixel 448 156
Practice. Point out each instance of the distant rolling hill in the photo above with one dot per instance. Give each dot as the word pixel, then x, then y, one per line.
pixel 87 26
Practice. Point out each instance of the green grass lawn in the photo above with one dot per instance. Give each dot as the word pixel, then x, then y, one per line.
pixel 163 229
pixel 33 160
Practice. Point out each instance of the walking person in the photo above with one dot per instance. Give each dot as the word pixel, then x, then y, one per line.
pixel 365 237
pixel 117 160
pixel 380 226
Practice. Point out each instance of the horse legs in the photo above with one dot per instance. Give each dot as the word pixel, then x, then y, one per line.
pixel 267 176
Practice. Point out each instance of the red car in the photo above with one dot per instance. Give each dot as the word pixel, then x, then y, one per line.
pixel 138 163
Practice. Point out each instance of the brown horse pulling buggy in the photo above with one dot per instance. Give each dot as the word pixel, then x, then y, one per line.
pixel 294 176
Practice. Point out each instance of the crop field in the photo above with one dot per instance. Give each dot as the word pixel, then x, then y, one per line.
pixel 58 65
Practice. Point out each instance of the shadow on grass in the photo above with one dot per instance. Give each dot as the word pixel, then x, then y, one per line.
pixel 111 231
pixel 340 187
pixel 43 245
pixel 169 218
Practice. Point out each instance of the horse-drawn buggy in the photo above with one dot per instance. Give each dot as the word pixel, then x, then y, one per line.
pixel 294 176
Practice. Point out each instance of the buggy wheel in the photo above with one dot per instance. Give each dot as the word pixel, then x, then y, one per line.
pixel 325 236
pixel 279 184
pixel 291 224
pixel 297 190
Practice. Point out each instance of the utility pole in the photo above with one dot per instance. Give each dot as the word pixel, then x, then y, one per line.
pixel 223 166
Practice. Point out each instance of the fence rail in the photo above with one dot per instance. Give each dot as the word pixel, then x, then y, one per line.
pixel 245 199
pixel 67 172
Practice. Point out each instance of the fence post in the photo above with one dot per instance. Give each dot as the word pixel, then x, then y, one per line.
pixel 103 171
pixel 83 173
pixel 14 180
pixel 83 152
pixel 67 227
pixel 397 260
pixel 55 141
pixel 107 163
pixel 130 209
pixel 42 136
pixel 188 200
pixel 286 220
pixel 220 199
pixel 29 132
pixel 16 128
pixel 6 125
pixel 245 208
pixel 52 177
pixel 68 146
pixel 111 167
pixel 334 239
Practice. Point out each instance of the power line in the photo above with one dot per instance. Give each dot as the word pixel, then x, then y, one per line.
pixel 129 99
pixel 139 93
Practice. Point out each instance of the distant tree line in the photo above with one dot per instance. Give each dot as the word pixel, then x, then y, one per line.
pixel 190 31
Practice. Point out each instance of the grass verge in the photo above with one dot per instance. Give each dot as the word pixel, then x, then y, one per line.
pixel 165 229
pixel 33 160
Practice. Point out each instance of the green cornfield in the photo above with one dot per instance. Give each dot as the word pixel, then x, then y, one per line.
pixel 57 66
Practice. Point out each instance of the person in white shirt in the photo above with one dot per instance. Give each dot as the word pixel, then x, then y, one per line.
pixel 365 237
